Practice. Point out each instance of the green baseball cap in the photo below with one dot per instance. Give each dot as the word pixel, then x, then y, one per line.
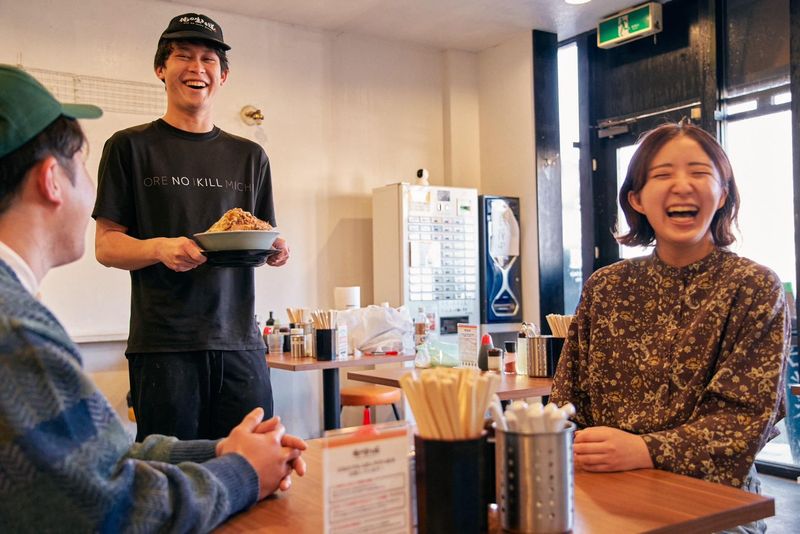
pixel 27 108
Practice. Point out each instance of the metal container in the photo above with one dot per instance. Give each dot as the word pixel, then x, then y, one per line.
pixel 535 480
pixel 542 354
pixel 297 343
pixel 308 340
pixel 536 356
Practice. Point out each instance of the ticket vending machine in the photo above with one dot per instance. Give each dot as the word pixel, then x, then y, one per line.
pixel 425 252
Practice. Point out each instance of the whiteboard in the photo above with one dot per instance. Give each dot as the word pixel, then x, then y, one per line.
pixel 92 301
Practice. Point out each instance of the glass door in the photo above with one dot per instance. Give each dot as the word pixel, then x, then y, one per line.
pixel 624 155
pixel 760 149
pixel 613 156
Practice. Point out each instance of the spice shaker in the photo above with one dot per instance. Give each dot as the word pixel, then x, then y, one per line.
pixel 495 359
pixel 522 348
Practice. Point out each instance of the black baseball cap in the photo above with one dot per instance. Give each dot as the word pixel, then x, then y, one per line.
pixel 195 26
pixel 27 108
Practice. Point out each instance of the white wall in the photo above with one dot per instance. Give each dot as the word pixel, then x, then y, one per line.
pixel 462 154
pixel 343 114
pixel 508 165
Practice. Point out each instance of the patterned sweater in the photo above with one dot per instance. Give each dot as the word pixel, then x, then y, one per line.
pixel 689 358
pixel 67 464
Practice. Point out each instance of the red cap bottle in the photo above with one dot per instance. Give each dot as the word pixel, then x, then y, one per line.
pixel 483 354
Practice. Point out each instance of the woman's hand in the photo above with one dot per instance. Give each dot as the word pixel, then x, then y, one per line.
pixel 602 449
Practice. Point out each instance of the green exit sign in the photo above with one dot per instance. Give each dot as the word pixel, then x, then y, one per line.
pixel 629 25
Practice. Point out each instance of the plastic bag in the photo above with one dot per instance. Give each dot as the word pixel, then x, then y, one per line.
pixel 379 329
pixel 444 354
pixel 422 359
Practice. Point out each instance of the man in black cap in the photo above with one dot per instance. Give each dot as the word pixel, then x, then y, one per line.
pixel 66 462
pixel 195 355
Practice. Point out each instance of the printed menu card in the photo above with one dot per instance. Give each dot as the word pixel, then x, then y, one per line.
pixel 366 484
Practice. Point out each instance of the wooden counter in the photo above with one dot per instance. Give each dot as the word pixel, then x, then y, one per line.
pixel 331 403
pixel 645 500
pixel 287 363
pixel 511 386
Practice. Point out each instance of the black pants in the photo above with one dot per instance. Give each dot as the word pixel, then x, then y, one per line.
pixel 197 395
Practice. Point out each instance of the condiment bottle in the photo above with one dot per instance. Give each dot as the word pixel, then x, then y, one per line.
pixel 483 354
pixel 522 349
pixel 267 331
pixel 420 328
pixel 510 360
pixel 271 320
pixel 495 359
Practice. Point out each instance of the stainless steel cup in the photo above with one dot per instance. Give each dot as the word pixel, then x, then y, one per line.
pixel 535 480
pixel 542 355
pixel 537 356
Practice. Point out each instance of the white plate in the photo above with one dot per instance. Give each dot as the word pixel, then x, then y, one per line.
pixel 237 240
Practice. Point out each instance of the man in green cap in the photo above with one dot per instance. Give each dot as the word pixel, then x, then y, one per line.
pixel 66 462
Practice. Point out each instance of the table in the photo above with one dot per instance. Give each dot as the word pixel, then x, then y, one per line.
pixel 511 386
pixel 634 501
pixel 330 376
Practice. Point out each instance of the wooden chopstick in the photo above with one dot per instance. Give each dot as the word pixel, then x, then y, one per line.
pixel 449 404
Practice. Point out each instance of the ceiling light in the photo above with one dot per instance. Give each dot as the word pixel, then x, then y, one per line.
pixel 577 2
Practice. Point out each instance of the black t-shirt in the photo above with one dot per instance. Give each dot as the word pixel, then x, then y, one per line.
pixel 159 181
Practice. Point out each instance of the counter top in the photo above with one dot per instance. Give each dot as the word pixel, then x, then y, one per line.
pixel 511 386
pixel 633 501
pixel 286 362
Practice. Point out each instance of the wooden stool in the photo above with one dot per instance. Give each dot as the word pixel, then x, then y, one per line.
pixel 369 395
pixel 131 413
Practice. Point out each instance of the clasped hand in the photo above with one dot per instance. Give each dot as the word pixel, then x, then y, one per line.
pixel 268 448
pixel 602 448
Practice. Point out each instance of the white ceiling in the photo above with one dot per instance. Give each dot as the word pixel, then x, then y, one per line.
pixel 471 25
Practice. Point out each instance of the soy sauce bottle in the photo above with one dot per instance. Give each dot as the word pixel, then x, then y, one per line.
pixel 483 354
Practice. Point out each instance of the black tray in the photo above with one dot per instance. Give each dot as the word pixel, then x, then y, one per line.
pixel 238 258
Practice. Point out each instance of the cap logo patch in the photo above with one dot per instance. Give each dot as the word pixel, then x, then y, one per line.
pixel 200 21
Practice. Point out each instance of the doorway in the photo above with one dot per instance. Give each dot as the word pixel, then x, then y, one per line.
pixel 617 141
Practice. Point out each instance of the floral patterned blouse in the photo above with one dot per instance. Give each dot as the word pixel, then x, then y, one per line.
pixel 689 358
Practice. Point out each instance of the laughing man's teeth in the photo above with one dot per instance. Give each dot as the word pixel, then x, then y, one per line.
pixel 199 85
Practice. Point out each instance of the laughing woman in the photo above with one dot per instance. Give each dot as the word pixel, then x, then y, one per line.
pixel 675 360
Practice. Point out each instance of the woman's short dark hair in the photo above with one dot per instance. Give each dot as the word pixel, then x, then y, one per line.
pixel 165 47
pixel 641 233
pixel 62 139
